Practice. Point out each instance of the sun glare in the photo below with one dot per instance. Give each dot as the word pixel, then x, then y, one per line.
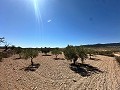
pixel 37 12
pixel 36 9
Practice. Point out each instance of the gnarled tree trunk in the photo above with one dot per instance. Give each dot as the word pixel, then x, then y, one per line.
pixel 32 62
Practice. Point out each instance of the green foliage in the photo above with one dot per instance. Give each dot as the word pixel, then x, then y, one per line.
pixel 106 53
pixel 91 52
pixel 70 53
pixel 29 53
pixel 73 53
pixel 82 53
pixel 56 52
pixel 18 50
pixel 45 50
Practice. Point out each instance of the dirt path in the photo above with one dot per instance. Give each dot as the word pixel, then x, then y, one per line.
pixel 57 75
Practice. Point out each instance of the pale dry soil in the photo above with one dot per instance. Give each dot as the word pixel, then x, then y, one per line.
pixel 57 75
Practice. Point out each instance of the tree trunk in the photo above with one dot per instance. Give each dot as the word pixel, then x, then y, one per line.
pixel 56 57
pixel 74 61
pixel 82 60
pixel 32 62
pixel 90 56
pixel 6 48
pixel 19 56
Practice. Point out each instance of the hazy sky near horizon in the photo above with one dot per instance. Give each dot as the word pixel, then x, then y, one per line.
pixel 57 23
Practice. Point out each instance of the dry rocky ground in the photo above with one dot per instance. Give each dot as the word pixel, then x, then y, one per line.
pixel 102 73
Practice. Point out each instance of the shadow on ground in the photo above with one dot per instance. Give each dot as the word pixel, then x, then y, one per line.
pixel 58 58
pixel 47 55
pixel 31 68
pixel 16 58
pixel 84 69
pixel 95 59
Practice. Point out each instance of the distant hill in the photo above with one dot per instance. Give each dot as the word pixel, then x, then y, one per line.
pixel 103 45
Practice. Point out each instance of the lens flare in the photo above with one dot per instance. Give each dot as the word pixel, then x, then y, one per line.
pixel 37 12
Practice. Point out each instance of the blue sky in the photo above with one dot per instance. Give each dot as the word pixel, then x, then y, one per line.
pixel 57 23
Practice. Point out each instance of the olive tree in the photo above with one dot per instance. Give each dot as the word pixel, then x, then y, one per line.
pixel 18 50
pixel 90 52
pixel 45 50
pixel 82 53
pixel 29 53
pixel 70 53
pixel 56 52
